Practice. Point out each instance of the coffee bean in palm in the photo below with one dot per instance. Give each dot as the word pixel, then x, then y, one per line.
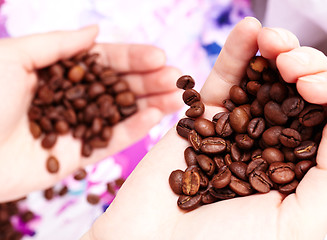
pixel 213 145
pixel 260 181
pixel 293 106
pixel 239 120
pixel 190 182
pixel 281 172
pixel 257 164
pixel 240 187
pixel 290 138
pixel 185 82
pixel 289 187
pixel 222 178
pixel 239 170
pixel 263 94
pixel 76 73
pixel 195 110
pixel 256 127
pixel 176 181
pixel 195 140
pixel 191 96
pixel 223 127
pixel 49 140
pixel 278 92
pixel 184 126
pixel 256 67
pixel 35 129
pixel 204 127
pixel 271 135
pixel 243 141
pixel 52 164
pixel 62 127
pixel 306 150
pixel 238 95
pixel 302 167
pixel 256 109
pixel 312 115
pixel 239 155
pixel 188 203
pixel 274 114
pixel 229 105
pixel 252 87
pixel 206 164
pixel 271 155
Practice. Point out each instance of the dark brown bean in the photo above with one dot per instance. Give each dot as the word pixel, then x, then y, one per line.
pixel 190 182
pixel 52 164
pixel 176 181
pixel 185 82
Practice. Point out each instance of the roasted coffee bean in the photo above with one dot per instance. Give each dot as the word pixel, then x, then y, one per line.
pixel 240 187
pixel 270 75
pixel 96 89
pixel 289 187
pixel 228 159
pixel 312 115
pixel 79 131
pixel 263 94
pixel 247 109
pixel 188 203
pixel 256 127
pixel 76 73
pixel 239 120
pixel 75 92
pixel 190 156
pixel 305 132
pixel 185 82
pixel 238 95
pixel 108 76
pixel 184 127
pixel 46 124
pixel 97 142
pixel 229 105
pixel 195 110
pixel 256 67
pixel 207 197
pixel 92 198
pixel 243 141
pixel 278 92
pixel 213 145
pixel 106 133
pixel 257 164
pixel 219 162
pixel 302 167
pixel 63 191
pixel 176 181
pixel 70 116
pixel 62 127
pixel 271 135
pixel 222 178
pixel 271 155
pixel 222 193
pixel 256 109
pixel 86 149
pixel 290 138
pixel 49 140
pixel 292 106
pixel 274 114
pixel 119 87
pixel 195 140
pixel 191 96
pixel 45 94
pixel 79 103
pixel 306 150
pixel 125 99
pixel 52 164
pixel 35 129
pixel 56 70
pixel 206 164
pixel 238 155
pixel 34 113
pixel 260 181
pixel 281 173
pixel 289 155
pixel 252 87
pixel 223 127
pixel 96 126
pixel 190 182
pixel 204 127
pixel 239 170
pixel 80 174
pixel 257 153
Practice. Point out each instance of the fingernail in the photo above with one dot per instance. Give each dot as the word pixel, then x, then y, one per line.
pixel 280 33
pixel 313 78
pixel 301 57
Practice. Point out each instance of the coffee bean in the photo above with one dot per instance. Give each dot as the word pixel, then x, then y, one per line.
pixel 97 142
pixel 80 174
pixel 195 110
pixel 222 178
pixel 305 132
pixel 290 138
pixel 190 182
pixel 185 82
pixel 240 187
pixel 293 106
pixel 239 155
pixel 213 145
pixel 56 70
pixel 62 127
pixel 229 105
pixel 243 141
pixel 306 150
pixel 258 164
pixel 79 103
pixel 45 94
pixel 63 191
pixel 176 181
pixel 256 109
pixel 263 94
pixel 302 167
pixel 274 114
pixel 252 87
pixel 256 127
pixel 239 120
pixel 238 95
pixel 204 127
pixel 52 164
pixel 119 87
pixel 106 133
pixel 75 92
pixel 93 199
pixel 188 203
pixel 312 115
pixel 271 155
pixel 206 164
pixel 48 193
pixel 239 170
pixel 281 173
pixel 49 140
pixel 222 193
pixel 195 140
pixel 76 73
pixel 270 76
pixel 260 181
pixel 35 129
pixel 289 187
pixel 289 154
pixel 191 96
pixel 223 127
pixel 278 92
pixel 46 124
pixel 256 67
pixel 219 162
pixel 125 99
pixel 184 126
pixel 271 135
pixel 86 149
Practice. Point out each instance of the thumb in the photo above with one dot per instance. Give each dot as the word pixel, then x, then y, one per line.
pixel 47 48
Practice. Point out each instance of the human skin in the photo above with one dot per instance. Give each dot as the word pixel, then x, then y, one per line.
pixel 145 207
pixel 22 159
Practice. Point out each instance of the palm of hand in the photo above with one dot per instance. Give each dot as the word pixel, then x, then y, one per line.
pixel 145 207
pixel 23 159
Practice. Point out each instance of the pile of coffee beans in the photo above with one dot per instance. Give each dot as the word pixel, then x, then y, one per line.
pixel 81 97
pixel 266 140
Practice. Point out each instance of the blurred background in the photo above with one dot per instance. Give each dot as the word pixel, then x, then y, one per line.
pixel 192 33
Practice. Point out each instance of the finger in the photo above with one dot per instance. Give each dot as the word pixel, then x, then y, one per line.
pixel 154 82
pixel 131 57
pixel 308 205
pixel 313 87
pixel 300 62
pixel 273 41
pixel 45 49
pixel 232 61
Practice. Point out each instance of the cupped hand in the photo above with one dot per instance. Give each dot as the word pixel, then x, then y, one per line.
pixel 22 159
pixel 146 208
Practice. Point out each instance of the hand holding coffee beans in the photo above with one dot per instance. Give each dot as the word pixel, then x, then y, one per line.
pixel 266 141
